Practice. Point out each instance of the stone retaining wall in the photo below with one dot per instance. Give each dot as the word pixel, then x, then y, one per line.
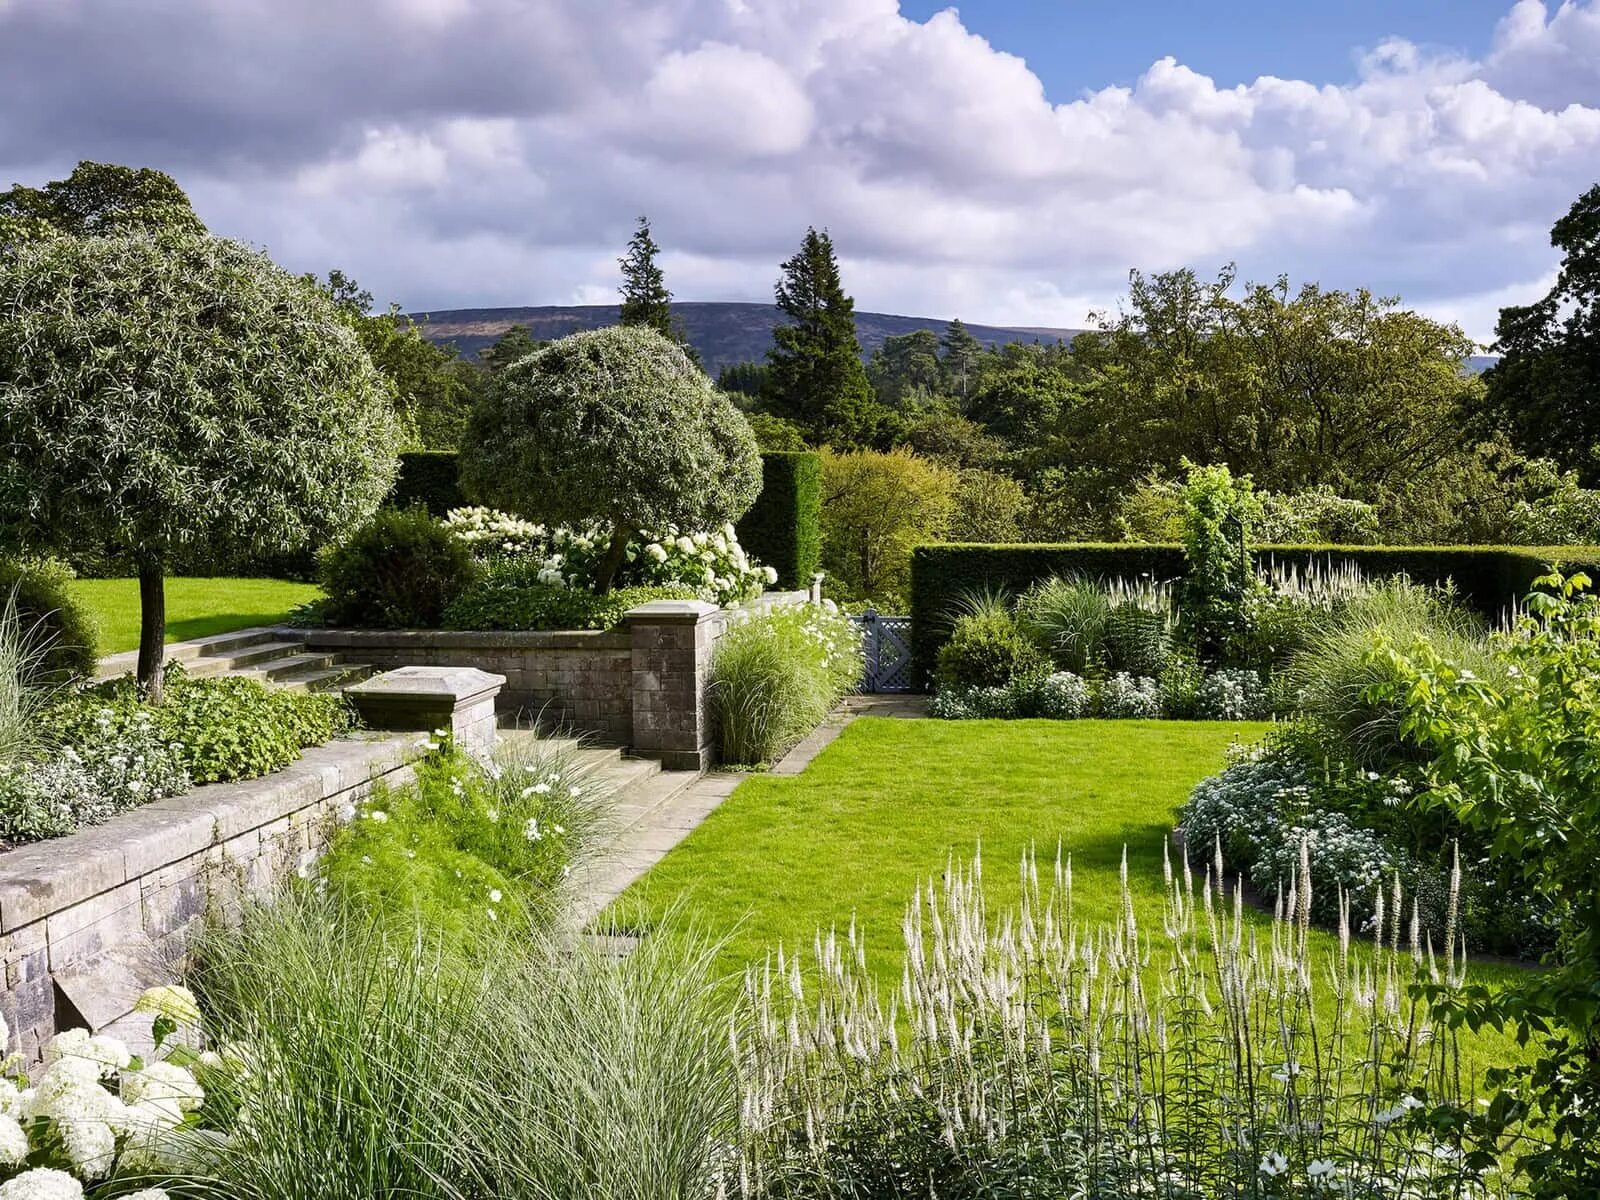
pixel 577 679
pixel 88 920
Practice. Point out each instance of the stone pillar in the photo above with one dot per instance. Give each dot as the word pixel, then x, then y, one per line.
pixel 460 699
pixel 672 642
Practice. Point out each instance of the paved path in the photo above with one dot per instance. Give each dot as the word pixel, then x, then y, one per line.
pixel 655 816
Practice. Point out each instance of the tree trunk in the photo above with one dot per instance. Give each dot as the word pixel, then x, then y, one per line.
pixel 152 627
pixel 609 565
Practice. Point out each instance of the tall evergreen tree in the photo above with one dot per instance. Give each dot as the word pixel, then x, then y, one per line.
pixel 645 298
pixel 959 355
pixel 817 379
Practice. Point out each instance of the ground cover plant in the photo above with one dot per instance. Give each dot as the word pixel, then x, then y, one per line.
pixel 196 606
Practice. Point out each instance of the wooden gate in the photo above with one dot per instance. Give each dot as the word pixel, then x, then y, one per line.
pixel 886 642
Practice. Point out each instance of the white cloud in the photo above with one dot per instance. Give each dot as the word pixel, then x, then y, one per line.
pixel 496 151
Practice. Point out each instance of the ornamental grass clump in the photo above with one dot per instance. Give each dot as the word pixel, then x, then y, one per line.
pixel 390 1060
pixel 1026 1055
pixel 776 674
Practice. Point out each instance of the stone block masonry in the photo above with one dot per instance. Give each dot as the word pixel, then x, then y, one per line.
pixel 90 919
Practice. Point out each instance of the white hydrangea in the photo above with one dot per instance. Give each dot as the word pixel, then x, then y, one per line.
pixel 41 1183
pixel 13 1101
pixel 108 1053
pixel 13 1142
pixel 173 1002
pixel 90 1144
pixel 162 1081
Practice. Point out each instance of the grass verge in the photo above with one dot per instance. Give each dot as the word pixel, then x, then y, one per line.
pixel 196 606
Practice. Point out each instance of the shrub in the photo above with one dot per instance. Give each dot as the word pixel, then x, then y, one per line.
pixel 429 479
pixel 398 572
pixel 1233 694
pixel 784 526
pixel 1218 511
pixel 875 508
pixel 215 729
pixel 614 426
pixel 986 649
pixel 1125 695
pixel 501 601
pixel 1067 618
pixel 1138 638
pixel 1179 686
pixel 69 639
pixel 466 840
pixel 1061 696
pixel 776 674
pixel 1334 677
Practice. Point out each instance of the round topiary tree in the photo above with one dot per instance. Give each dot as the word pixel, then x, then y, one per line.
pixel 615 426
pixel 170 390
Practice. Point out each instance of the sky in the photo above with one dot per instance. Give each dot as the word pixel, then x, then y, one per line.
pixel 1008 162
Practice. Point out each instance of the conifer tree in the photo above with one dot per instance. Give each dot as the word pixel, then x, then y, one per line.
pixel 959 355
pixel 817 379
pixel 645 298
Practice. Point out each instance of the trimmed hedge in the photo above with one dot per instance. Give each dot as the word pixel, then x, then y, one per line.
pixel 431 478
pixel 1487 578
pixel 784 528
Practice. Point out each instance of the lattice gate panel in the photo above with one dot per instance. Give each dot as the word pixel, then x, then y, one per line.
pixel 887 645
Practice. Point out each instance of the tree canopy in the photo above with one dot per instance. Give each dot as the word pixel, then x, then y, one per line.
pixel 97 199
pixel 1545 390
pixel 816 378
pixel 162 392
pixel 614 426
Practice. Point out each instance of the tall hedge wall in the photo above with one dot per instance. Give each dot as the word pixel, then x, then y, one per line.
pixel 784 528
pixel 430 478
pixel 1487 577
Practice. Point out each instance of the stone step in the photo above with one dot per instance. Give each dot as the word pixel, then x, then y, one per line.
pixel 323 679
pixel 649 794
pixel 284 666
pixel 217 644
pixel 252 656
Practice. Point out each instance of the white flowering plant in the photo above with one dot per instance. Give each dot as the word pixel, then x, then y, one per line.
pixel 470 842
pixel 1129 696
pixel 711 561
pixel 97 1111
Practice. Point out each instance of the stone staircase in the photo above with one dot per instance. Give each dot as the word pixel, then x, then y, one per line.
pixel 635 787
pixel 276 656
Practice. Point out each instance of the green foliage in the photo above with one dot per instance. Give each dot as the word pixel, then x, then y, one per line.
pixel 1541 390
pixel 986 649
pixel 1138 635
pixel 1067 618
pixel 615 426
pixel 398 571
pixel 645 298
pixel 776 674
pixel 66 631
pixel 747 379
pixel 1486 579
pixel 99 200
pixel 506 600
pixel 221 729
pixel 1335 676
pixel 397 1061
pixel 434 388
pixel 875 508
pixel 1511 758
pixel 24 692
pixel 783 528
pixel 774 435
pixel 512 346
pixel 464 840
pixel 431 479
pixel 815 377
pixel 1218 513
pixel 162 392
pixel 987 507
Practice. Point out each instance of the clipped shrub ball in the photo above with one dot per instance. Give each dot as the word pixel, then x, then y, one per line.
pixel 399 571
pixel 614 426
pixel 986 649
pixel 61 626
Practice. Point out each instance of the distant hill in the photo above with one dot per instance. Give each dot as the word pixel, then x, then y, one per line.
pixel 722 333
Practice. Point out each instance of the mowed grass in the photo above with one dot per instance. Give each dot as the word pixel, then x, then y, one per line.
pixel 196 606
pixel 892 801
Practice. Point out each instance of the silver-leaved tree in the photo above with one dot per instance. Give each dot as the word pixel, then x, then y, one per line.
pixel 164 392
pixel 615 426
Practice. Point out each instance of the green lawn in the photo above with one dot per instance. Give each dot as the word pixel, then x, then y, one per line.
pixel 891 800
pixel 196 607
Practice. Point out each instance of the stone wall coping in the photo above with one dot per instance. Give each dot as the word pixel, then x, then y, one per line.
pixel 455 639
pixel 672 612
pixel 45 877
pixel 460 686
